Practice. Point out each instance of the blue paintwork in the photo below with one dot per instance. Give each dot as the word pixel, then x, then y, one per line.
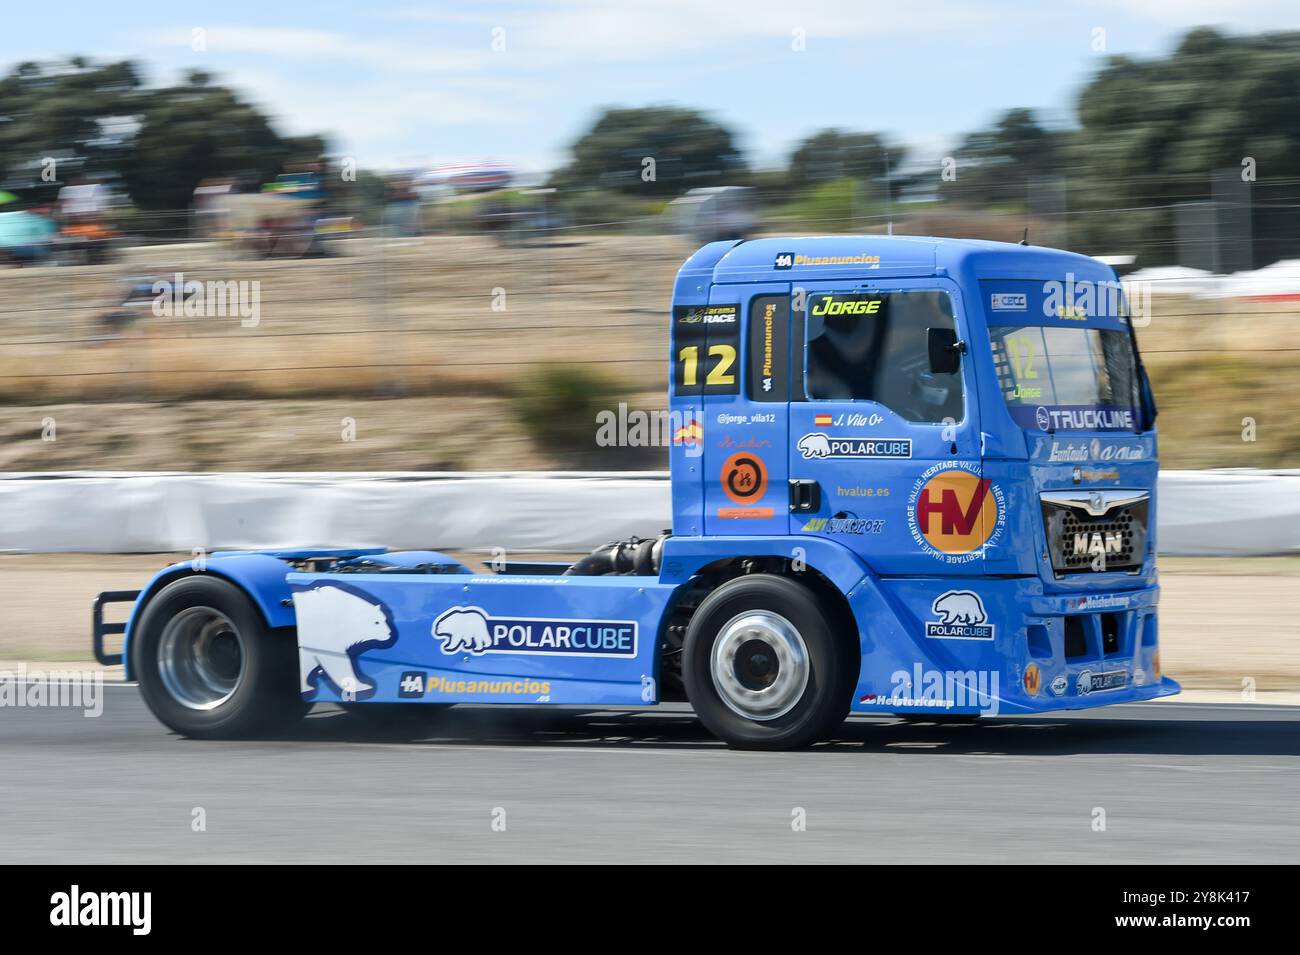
pixel 408 558
pixel 891 579
pixel 993 612
pixel 684 557
pixel 260 575
pixel 625 675
pixel 303 553
pixel 893 614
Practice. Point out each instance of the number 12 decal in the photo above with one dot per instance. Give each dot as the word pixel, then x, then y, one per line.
pixel 706 349
pixel 1022 356
pixel 720 375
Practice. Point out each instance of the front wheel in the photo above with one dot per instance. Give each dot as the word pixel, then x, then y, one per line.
pixel 208 665
pixel 763 667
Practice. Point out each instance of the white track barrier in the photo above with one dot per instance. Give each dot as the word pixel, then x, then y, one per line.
pixel 1227 513
pixel 101 512
pixel 1232 512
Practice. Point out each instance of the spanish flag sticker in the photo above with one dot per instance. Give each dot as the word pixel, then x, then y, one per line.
pixel 689 434
pixel 822 421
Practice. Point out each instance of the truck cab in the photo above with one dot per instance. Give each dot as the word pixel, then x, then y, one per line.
pixel 910 476
pixel 968 420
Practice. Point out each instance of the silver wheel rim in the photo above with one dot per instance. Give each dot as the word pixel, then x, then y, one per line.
pixel 759 665
pixel 201 658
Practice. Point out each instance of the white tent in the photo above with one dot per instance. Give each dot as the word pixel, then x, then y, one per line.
pixel 1175 280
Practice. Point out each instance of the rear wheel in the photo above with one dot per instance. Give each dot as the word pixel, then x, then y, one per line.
pixel 763 667
pixel 210 667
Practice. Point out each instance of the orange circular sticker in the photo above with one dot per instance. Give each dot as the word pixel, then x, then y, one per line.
pixel 744 478
pixel 956 511
pixel 1033 679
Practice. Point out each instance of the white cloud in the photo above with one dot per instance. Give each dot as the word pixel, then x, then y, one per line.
pixel 577 31
pixel 413 78
pixel 385 94
pixel 1182 14
pixel 294 43
pixel 648 27
pixel 375 120
pixel 377 98
pixel 574 32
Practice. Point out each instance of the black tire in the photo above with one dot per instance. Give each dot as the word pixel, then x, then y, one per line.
pixel 255 673
pixel 831 669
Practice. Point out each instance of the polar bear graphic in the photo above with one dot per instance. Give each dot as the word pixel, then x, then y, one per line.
pixel 463 628
pixel 959 607
pixel 815 445
pixel 332 624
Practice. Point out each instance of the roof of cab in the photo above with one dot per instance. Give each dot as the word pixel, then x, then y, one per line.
pixel 829 257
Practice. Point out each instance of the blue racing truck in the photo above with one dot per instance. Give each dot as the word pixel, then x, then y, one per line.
pixel 910 476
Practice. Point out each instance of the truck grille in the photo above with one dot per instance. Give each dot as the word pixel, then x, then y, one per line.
pixel 1083 526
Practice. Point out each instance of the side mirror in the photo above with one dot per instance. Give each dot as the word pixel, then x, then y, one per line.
pixel 945 350
pixel 1148 399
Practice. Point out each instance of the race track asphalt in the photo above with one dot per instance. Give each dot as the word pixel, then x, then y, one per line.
pixel 1178 782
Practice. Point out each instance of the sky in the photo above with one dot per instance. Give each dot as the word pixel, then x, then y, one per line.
pixel 407 84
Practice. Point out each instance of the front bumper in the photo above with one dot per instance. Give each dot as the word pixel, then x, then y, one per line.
pixel 1004 646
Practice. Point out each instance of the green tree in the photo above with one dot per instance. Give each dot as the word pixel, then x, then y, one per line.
pixel 834 154
pixel 1214 100
pixel 74 112
pixel 996 165
pixel 1155 131
pixel 687 150
pixel 100 119
pixel 196 131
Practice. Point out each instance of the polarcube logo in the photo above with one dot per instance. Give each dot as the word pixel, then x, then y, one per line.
pixel 954 513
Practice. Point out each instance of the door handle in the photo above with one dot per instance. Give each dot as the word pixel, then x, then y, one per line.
pixel 805 495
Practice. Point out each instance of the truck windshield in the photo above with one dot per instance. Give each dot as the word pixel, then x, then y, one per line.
pixel 1067 379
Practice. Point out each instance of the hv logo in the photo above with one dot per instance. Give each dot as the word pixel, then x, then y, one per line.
pixel 954 513
pixel 474 631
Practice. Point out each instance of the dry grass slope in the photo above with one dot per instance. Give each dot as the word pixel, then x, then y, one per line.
pixel 411 342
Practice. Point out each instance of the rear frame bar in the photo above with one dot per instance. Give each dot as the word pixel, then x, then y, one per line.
pixel 100 629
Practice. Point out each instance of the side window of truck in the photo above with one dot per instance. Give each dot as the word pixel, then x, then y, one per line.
pixel 872 347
